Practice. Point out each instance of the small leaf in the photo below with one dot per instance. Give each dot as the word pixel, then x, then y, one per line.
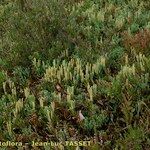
pixel 81 117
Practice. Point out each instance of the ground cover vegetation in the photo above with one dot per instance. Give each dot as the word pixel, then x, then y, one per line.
pixel 75 70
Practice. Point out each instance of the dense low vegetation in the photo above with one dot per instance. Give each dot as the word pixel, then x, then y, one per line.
pixel 75 70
